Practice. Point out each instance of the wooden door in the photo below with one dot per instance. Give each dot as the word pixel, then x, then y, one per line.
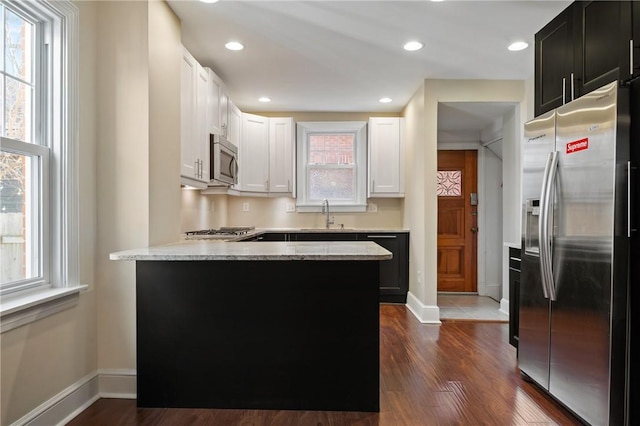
pixel 457 221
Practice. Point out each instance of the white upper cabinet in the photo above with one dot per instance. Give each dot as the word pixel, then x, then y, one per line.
pixel 253 154
pixel 266 155
pixel 213 103
pixel 194 141
pixel 224 113
pixel 203 123
pixel 281 142
pixel 386 157
pixel 234 128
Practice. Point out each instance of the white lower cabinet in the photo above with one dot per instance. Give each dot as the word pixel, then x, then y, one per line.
pixel 386 157
pixel 266 155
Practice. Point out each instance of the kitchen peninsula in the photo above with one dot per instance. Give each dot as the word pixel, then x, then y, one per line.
pixel 268 325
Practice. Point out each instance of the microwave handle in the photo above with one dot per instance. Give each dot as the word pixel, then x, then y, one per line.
pixel 233 168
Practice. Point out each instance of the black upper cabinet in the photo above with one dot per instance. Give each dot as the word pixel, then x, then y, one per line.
pixel 635 21
pixel 553 62
pixel 585 47
pixel 602 48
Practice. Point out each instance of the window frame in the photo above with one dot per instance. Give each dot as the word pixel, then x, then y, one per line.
pixel 58 124
pixel 306 129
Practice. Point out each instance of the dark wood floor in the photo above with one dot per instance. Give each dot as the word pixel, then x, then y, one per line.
pixel 459 373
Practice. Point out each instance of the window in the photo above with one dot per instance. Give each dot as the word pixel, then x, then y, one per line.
pixel 38 171
pixel 332 165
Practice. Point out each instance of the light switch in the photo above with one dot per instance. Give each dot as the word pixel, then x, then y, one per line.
pixel 245 207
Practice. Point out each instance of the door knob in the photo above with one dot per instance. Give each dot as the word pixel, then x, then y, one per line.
pixel 474 229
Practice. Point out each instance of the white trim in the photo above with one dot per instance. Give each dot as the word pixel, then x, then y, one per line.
pixel 64 406
pixel 118 383
pixel 426 314
pixel 62 248
pixel 504 306
pixel 359 130
pixel 31 306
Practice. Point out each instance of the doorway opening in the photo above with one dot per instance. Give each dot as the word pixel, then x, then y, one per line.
pixel 483 130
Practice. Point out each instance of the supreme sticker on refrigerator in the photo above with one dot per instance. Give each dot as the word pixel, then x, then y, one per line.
pixel 579 145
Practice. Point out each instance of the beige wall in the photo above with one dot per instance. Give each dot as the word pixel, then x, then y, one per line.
pixel 138 172
pixel 123 171
pixel 41 359
pixel 165 50
pixel 271 213
pixel 414 116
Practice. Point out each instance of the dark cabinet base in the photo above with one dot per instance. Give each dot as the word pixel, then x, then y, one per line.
pixel 514 295
pixel 258 335
pixel 394 273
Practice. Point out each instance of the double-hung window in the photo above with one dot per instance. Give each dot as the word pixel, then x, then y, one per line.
pixel 332 165
pixel 38 170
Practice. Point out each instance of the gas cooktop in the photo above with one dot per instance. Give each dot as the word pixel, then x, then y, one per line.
pixel 220 233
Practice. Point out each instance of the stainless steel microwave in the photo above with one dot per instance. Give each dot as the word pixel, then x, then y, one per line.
pixel 224 161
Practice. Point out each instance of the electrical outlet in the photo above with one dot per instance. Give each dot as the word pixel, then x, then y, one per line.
pixel 372 208
pixel 291 207
pixel 245 207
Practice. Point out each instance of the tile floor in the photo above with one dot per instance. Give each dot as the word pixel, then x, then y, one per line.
pixel 470 307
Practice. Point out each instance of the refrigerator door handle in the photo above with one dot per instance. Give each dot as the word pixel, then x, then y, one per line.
pixel 629 199
pixel 546 204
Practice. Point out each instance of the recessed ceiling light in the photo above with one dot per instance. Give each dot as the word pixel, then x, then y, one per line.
pixel 518 45
pixel 413 45
pixel 264 99
pixel 385 100
pixel 234 45
pixel 209 1
pixel 436 0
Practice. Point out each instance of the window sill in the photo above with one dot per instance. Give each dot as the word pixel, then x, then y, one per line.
pixel 22 309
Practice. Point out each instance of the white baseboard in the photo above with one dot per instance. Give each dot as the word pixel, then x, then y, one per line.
pixel 117 383
pixel 426 314
pixel 66 405
pixel 504 306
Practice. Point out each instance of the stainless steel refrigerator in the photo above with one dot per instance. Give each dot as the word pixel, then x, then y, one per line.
pixel 574 317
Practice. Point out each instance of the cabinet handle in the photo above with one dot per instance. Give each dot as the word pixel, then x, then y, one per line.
pixel 288 185
pixel 266 184
pixel 631 57
pixel 195 169
pixel 572 92
pixel 388 237
pixel 564 90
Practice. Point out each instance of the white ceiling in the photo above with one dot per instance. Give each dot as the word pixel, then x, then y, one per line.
pixel 345 55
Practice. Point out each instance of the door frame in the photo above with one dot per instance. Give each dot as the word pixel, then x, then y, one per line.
pixel 481 242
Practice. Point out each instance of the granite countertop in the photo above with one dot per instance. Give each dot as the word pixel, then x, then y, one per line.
pixel 329 230
pixel 266 250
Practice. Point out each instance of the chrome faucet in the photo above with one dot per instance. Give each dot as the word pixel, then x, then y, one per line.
pixel 325 210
